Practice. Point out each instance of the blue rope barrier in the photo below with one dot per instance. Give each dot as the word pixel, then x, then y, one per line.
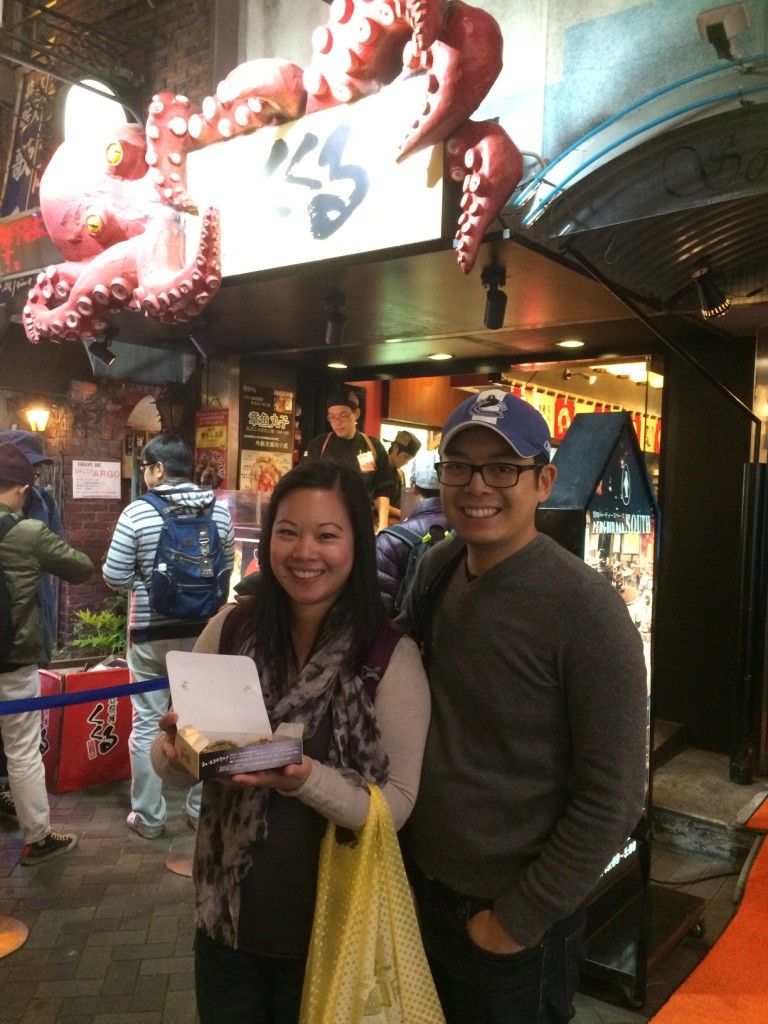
pixel 59 700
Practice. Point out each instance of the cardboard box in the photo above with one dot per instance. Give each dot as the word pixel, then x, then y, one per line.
pixel 218 698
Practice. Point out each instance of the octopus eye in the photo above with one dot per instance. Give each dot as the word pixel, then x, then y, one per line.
pixel 114 153
pixel 93 223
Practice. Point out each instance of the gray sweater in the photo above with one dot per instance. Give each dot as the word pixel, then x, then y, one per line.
pixel 535 766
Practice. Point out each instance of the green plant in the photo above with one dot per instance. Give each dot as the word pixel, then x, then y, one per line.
pixel 102 632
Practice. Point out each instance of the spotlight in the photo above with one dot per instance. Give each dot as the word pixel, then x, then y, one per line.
pixel 712 300
pixel 494 278
pixel 101 351
pixel 334 329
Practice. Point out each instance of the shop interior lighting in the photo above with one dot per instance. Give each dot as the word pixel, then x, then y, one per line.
pixel 636 372
pixel 334 329
pixel 337 366
pixel 570 343
pixel 37 417
pixel 439 356
pixel 591 378
pixel 101 351
pixel 494 278
pixel 712 300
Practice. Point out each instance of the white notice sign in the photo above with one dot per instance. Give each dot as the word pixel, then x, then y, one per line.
pixel 95 479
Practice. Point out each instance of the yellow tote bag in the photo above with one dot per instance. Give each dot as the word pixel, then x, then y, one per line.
pixel 366 961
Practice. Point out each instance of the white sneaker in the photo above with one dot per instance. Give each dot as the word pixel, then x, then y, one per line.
pixel 145 831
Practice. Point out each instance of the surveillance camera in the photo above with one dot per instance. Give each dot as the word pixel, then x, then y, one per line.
pixel 720 25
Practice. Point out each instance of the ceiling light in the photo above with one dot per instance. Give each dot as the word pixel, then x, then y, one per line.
pixel 712 300
pixel 437 356
pixel 101 351
pixel 570 343
pixel 337 366
pixel 494 278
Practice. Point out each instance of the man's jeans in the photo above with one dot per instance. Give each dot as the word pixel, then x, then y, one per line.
pixel 21 739
pixel 535 986
pixel 147 661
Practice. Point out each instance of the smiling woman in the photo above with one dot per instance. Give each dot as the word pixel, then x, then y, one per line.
pixel 314 625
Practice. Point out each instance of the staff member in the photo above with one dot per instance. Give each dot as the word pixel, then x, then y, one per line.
pixel 401 451
pixel 348 446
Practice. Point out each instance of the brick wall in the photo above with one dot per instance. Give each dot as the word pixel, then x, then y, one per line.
pixel 91 426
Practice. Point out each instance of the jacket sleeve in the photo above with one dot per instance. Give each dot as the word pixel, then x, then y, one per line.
pixel 119 569
pixel 60 559
pixel 389 568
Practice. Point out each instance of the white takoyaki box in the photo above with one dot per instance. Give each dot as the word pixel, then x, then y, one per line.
pixel 223 726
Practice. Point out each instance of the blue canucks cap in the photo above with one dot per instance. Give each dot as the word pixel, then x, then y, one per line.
pixel 523 428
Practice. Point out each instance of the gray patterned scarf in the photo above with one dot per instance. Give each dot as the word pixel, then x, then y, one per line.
pixel 233 818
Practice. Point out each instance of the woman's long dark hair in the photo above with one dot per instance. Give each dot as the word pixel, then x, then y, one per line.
pixel 359 605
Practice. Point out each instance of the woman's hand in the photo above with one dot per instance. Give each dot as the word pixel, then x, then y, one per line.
pixel 288 778
pixel 168 725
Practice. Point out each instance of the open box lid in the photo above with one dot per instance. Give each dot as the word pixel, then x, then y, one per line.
pixel 218 694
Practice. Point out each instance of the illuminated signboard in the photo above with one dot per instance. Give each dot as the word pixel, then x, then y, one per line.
pixel 324 186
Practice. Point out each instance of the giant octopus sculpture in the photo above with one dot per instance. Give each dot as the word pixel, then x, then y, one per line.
pixel 119 224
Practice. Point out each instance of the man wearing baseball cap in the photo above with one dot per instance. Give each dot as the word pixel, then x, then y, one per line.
pixel 534 768
pixel 348 446
pixel 405 446
pixel 27 548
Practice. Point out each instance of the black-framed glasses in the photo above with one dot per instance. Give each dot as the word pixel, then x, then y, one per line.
pixel 495 474
pixel 146 465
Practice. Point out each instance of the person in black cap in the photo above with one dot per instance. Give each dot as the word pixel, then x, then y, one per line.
pixel 39 504
pixel 27 548
pixel 401 451
pixel 348 446
pixel 534 769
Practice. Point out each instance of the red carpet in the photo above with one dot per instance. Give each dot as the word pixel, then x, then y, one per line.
pixel 730 985
pixel 758 820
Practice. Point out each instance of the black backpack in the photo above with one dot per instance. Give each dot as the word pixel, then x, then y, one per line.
pixel 6 622
pixel 418 544
pixel 189 579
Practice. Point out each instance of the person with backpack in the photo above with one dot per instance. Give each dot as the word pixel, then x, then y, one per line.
pixel 173 550
pixel 535 763
pixel 320 637
pixel 39 504
pixel 348 446
pixel 27 549
pixel 400 547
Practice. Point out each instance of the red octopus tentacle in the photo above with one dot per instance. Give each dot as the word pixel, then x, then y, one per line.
pixel 461 67
pixel 255 94
pixel 491 166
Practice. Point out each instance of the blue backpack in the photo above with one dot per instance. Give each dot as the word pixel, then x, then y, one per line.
pixel 189 579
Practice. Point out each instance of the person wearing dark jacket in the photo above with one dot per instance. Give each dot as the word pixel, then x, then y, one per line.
pixel 393 552
pixel 39 504
pixel 26 550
